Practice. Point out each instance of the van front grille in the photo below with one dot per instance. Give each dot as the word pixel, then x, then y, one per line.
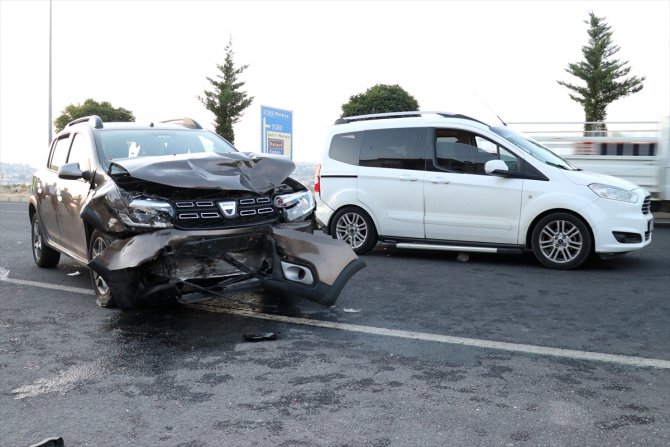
pixel 646 205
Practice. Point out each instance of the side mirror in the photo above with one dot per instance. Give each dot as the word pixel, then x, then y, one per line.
pixel 71 171
pixel 496 167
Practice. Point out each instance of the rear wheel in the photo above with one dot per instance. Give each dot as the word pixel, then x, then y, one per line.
pixel 355 227
pixel 43 255
pixel 561 241
pixel 122 296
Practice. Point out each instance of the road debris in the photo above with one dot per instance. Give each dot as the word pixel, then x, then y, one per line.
pixel 263 336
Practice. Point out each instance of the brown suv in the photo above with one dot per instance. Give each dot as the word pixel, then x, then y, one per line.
pixel 169 209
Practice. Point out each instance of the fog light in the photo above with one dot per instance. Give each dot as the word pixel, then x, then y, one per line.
pixel 627 238
pixel 297 273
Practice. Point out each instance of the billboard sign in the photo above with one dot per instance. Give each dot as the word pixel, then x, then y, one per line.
pixel 276 131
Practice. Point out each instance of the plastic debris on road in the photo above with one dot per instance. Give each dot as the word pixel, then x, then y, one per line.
pixel 74 274
pixel 350 310
pixel 263 336
pixel 463 257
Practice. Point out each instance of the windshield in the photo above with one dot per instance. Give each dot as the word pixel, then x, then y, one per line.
pixel 535 149
pixel 131 143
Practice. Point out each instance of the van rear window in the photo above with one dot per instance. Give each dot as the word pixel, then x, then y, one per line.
pixel 346 147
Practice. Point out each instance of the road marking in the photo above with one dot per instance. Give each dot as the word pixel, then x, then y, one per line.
pixel 409 335
pixel 45 285
pixel 473 342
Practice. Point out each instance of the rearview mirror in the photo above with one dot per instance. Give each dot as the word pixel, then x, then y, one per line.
pixel 71 171
pixel 496 167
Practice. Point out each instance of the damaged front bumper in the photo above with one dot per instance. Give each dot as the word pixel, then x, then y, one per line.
pixel 196 265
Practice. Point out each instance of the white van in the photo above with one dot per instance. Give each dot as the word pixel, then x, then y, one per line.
pixel 442 181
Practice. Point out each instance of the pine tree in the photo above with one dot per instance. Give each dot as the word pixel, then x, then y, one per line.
pixel 226 100
pixel 602 75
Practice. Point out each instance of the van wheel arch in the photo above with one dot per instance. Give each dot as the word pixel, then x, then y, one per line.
pixel 562 223
pixel 354 226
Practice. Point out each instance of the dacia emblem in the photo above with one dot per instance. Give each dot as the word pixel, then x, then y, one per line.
pixel 229 209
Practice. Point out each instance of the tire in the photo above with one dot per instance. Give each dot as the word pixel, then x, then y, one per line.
pixel 43 255
pixel 355 227
pixel 561 241
pixel 122 296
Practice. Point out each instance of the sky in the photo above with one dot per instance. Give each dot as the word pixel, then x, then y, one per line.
pixel 472 57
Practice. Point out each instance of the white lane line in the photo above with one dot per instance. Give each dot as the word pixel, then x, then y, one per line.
pixel 44 285
pixel 409 335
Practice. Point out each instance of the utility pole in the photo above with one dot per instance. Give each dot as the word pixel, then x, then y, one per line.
pixel 50 120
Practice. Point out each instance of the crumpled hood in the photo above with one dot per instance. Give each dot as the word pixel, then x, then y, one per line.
pixel 586 178
pixel 212 170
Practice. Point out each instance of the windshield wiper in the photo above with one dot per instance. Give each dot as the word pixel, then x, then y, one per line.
pixel 556 165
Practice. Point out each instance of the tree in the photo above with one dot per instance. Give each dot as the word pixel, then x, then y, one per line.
pixel 91 107
pixel 380 98
pixel 226 100
pixel 605 77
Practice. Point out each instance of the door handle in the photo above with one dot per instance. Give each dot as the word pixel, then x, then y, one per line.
pixel 407 178
pixel 439 180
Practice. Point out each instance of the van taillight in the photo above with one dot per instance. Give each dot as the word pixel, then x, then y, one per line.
pixel 317 179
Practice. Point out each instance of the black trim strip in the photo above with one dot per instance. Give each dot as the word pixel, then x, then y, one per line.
pixel 339 176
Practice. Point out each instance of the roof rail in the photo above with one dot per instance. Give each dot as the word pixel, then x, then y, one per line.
pixel 408 114
pixel 93 121
pixel 185 122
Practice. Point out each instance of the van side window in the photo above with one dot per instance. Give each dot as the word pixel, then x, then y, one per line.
pixel 59 154
pixel 464 152
pixel 394 148
pixel 346 147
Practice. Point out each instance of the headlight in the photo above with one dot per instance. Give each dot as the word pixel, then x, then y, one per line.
pixel 614 193
pixel 296 205
pixel 149 213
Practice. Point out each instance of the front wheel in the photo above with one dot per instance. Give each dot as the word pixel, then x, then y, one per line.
pixel 355 227
pixel 43 255
pixel 123 296
pixel 561 241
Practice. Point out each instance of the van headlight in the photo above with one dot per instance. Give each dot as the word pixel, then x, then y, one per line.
pixel 148 213
pixel 296 205
pixel 613 193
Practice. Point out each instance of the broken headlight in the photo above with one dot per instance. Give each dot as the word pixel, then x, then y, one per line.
pixel 148 213
pixel 296 205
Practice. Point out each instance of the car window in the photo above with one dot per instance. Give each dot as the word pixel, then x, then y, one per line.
pixel 394 148
pixel 464 152
pixel 59 154
pixel 80 152
pixel 346 147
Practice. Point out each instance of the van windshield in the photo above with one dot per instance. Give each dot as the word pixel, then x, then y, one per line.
pixel 535 149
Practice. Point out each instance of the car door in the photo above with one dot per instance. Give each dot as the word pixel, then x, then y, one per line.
pixel 390 179
pixel 462 202
pixel 73 194
pixel 48 194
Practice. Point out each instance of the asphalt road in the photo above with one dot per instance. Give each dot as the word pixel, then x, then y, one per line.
pixel 420 350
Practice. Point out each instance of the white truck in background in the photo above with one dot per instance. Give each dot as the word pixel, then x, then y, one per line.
pixel 636 151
